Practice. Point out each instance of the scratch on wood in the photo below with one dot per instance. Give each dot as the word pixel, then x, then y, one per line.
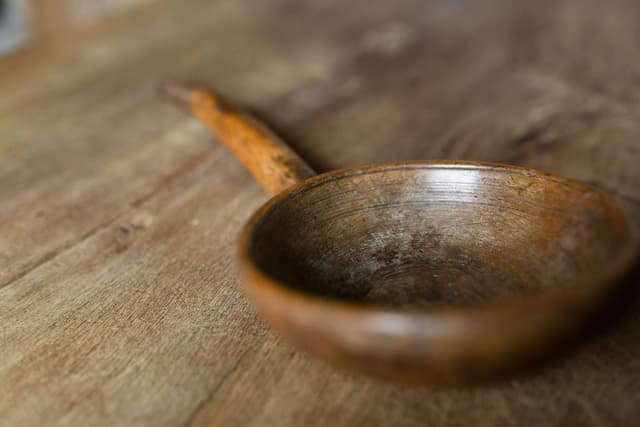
pixel 189 166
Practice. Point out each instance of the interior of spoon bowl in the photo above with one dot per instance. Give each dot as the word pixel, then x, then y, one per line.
pixel 436 234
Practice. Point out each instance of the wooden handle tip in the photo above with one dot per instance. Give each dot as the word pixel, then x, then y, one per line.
pixel 177 92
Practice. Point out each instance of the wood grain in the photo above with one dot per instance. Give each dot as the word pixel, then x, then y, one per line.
pixel 119 302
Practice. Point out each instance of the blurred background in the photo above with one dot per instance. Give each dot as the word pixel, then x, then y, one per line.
pixel 507 81
pixel 23 21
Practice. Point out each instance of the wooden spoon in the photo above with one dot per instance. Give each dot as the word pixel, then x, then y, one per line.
pixel 434 272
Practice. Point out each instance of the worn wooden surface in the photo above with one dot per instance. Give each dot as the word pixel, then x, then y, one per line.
pixel 119 302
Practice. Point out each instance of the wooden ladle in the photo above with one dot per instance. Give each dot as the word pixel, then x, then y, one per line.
pixel 433 272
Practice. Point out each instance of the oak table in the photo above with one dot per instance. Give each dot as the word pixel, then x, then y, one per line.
pixel 119 300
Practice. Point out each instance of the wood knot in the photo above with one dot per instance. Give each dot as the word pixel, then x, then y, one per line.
pixel 125 233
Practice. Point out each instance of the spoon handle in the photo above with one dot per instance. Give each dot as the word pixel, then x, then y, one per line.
pixel 271 162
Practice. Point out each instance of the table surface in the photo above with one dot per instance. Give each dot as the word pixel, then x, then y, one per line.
pixel 119 301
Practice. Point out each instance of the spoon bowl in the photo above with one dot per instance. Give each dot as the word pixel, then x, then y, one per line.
pixel 438 272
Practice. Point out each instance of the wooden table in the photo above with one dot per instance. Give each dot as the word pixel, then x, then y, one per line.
pixel 119 303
